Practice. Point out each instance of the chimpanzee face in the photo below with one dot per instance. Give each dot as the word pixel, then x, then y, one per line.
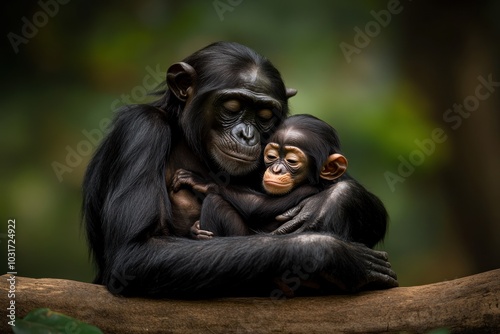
pixel 240 120
pixel 227 115
pixel 302 150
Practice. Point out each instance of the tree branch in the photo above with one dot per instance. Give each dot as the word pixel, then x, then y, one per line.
pixel 466 305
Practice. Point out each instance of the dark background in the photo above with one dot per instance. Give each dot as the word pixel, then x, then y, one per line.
pixel 62 83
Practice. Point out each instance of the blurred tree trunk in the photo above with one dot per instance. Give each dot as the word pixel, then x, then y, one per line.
pixel 447 46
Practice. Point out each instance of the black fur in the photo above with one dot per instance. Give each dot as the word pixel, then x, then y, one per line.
pixel 128 214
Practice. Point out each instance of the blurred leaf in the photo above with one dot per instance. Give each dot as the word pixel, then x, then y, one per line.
pixel 43 320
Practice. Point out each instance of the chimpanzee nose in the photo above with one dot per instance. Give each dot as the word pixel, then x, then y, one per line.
pixel 278 168
pixel 245 134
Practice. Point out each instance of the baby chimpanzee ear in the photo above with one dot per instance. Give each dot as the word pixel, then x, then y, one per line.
pixel 334 167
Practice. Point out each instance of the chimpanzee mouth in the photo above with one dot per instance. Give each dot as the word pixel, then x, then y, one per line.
pixel 277 185
pixel 250 158
pixel 276 188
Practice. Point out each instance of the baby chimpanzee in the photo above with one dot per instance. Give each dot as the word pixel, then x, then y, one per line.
pixel 302 158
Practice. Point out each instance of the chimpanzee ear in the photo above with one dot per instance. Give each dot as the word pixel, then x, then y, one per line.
pixel 334 167
pixel 181 78
pixel 291 92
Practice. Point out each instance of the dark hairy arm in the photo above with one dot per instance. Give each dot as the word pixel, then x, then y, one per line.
pixel 245 265
pixel 345 209
pixel 250 204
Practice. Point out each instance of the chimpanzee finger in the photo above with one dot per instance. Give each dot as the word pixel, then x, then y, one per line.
pixel 205 233
pixel 204 237
pixel 289 214
pixel 198 233
pixel 307 226
pixel 381 281
pixel 288 227
pixel 176 185
pixel 378 261
pixel 376 257
pixel 382 269
pixel 177 181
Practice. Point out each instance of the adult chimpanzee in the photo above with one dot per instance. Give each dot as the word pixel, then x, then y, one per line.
pixel 304 152
pixel 137 226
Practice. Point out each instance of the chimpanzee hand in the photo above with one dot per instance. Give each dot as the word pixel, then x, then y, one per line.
pixel 349 267
pixel 309 214
pixel 367 269
pixel 198 234
pixel 184 177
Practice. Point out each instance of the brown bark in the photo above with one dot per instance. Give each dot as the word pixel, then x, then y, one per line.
pixel 466 305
